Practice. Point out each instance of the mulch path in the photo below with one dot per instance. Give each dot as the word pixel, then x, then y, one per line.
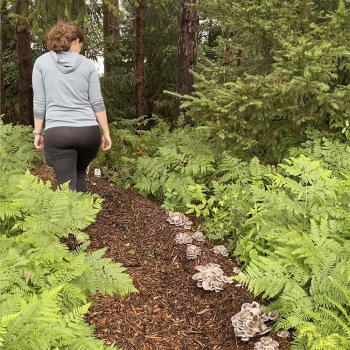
pixel 169 312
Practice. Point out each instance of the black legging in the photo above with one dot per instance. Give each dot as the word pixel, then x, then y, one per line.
pixel 69 150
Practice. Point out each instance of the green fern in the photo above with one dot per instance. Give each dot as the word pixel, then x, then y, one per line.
pixel 16 148
pixel 296 245
pixel 43 285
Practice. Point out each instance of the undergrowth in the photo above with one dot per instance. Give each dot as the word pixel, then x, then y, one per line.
pixel 289 225
pixel 44 286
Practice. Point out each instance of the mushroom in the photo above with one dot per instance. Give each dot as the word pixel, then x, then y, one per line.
pixel 283 334
pixel 236 270
pixel 210 277
pixel 183 238
pixel 199 237
pixel 250 321
pixel 272 315
pixel 221 249
pixel 266 343
pixel 192 252
pixel 179 219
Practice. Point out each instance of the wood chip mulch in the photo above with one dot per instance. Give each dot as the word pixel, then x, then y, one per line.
pixel 170 312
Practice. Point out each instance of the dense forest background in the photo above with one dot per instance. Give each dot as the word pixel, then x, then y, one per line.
pixel 233 111
pixel 256 74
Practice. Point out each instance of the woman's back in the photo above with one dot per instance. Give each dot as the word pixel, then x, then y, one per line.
pixel 67 88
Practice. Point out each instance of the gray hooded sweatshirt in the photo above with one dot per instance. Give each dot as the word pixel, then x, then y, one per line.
pixel 66 90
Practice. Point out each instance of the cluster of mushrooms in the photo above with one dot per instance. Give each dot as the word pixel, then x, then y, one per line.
pixel 179 219
pixel 210 277
pixel 250 321
pixel 221 249
pixel 185 238
pixel 192 252
pixel 266 343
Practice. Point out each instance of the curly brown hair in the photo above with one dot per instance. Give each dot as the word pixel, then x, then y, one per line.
pixel 61 35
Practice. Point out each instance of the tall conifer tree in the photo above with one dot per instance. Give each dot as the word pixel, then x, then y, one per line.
pixel 187 52
pixel 24 59
pixel 140 23
pixel 111 31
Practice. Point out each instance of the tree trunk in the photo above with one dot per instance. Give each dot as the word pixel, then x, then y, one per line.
pixel 24 60
pixel 228 53
pixel 2 97
pixel 111 27
pixel 114 21
pixel 106 34
pixel 187 53
pixel 140 17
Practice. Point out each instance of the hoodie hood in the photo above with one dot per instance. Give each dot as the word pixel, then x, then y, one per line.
pixel 67 61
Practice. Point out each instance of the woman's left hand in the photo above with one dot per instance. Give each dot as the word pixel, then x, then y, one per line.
pixel 106 142
pixel 39 142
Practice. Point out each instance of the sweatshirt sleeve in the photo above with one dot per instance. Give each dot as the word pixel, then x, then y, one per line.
pixel 95 96
pixel 39 101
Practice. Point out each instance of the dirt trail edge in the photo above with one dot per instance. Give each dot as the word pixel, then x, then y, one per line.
pixel 170 311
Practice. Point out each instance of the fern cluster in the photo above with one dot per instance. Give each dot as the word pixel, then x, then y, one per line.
pixel 159 162
pixel 289 225
pixel 17 151
pixel 44 286
pixel 296 245
pixel 188 171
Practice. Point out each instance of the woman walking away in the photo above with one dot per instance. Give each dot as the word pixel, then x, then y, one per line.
pixel 68 98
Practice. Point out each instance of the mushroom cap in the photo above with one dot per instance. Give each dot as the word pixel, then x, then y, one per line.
pixel 227 279
pixel 217 284
pixel 267 330
pixel 255 311
pixel 283 334
pixel 266 340
pixel 273 315
pixel 192 251
pixel 236 270
pixel 246 306
pixel 200 268
pixel 258 346
pixel 253 325
pixel 264 318
pixel 199 236
pixel 197 276
pixel 256 318
pixel 249 332
pixel 213 265
pixel 246 315
pixel 254 304
pixel 221 249
pixel 207 285
pixel 262 327
pixel 183 238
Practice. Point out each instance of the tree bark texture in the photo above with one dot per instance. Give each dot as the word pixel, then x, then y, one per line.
pixel 2 97
pixel 111 27
pixel 228 53
pixel 140 17
pixel 24 60
pixel 187 53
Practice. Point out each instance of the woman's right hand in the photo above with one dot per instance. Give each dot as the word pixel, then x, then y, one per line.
pixel 106 142
pixel 39 142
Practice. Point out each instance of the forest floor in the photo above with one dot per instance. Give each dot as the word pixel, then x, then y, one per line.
pixel 170 312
